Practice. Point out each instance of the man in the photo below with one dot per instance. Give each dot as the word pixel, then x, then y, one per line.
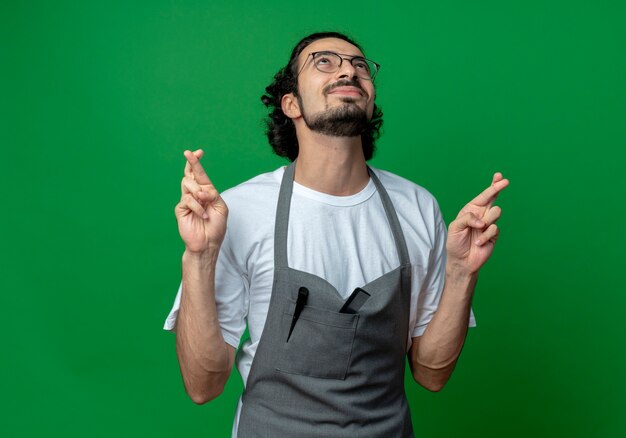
pixel 337 269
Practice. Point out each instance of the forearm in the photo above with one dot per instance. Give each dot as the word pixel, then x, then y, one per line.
pixel 434 356
pixel 205 359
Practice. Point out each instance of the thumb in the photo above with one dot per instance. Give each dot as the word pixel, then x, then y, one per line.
pixel 467 220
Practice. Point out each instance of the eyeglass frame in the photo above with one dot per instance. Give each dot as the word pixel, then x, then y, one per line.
pixel 341 56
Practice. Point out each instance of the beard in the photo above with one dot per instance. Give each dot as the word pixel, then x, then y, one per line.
pixel 346 120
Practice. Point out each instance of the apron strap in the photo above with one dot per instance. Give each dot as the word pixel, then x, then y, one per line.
pixel 392 217
pixel 282 218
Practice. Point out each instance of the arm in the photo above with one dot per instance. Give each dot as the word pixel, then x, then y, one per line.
pixel 205 359
pixel 471 239
pixel 433 356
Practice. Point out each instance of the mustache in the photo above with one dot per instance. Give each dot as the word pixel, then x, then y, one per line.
pixel 344 83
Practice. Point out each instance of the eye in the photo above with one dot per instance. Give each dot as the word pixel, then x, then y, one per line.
pixel 360 64
pixel 323 60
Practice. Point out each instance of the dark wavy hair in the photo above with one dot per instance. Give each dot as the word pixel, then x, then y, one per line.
pixel 280 129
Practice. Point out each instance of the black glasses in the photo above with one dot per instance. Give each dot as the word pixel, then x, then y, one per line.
pixel 330 62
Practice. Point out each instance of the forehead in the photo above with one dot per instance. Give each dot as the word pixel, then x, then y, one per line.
pixel 332 45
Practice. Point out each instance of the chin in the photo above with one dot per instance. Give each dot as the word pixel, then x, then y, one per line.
pixel 347 99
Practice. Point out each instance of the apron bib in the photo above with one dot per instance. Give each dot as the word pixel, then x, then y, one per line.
pixel 330 374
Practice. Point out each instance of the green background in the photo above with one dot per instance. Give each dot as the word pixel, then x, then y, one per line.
pixel 99 99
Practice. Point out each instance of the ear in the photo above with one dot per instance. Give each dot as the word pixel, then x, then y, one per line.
pixel 289 105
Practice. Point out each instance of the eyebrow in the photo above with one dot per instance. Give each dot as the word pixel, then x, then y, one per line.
pixel 337 53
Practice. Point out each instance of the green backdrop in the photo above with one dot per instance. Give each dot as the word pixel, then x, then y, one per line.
pixel 99 99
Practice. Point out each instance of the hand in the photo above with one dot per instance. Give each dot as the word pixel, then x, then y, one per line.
pixel 201 212
pixel 473 234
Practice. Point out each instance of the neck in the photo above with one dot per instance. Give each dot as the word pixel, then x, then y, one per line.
pixel 331 165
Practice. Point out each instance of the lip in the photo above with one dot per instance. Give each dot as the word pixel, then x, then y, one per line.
pixel 347 90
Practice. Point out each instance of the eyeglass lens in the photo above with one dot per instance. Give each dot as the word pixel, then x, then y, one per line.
pixel 329 62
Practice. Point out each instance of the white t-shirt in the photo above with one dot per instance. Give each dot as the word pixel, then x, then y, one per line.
pixel 346 240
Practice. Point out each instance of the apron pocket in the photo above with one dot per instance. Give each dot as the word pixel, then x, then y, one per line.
pixel 320 344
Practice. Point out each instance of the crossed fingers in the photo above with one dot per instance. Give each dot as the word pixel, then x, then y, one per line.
pixel 197 190
pixel 194 169
pixel 196 181
pixel 488 196
pixel 480 213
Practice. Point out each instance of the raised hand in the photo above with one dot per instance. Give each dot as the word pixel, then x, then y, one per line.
pixel 473 234
pixel 201 212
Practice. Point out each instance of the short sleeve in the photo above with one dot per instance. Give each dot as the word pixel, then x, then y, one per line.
pixel 231 297
pixel 432 288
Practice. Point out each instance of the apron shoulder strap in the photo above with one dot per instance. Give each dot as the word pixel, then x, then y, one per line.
pixel 282 217
pixel 392 217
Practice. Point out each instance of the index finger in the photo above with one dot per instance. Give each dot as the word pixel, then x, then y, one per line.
pixel 198 153
pixel 196 169
pixel 489 195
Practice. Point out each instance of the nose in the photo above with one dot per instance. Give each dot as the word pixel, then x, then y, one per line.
pixel 346 70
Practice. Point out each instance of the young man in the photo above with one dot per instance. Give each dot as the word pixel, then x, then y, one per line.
pixel 338 270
